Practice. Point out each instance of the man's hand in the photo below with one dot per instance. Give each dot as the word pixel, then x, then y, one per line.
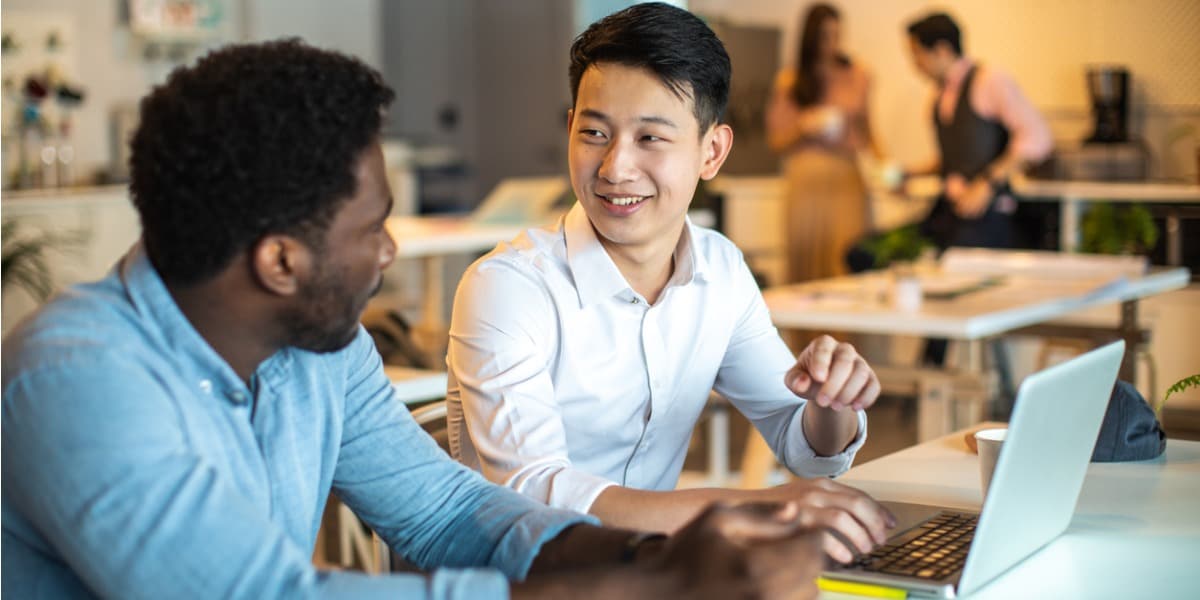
pixel 970 200
pixel 854 523
pixel 836 373
pixel 746 551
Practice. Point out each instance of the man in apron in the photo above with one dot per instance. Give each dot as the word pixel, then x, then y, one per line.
pixel 986 131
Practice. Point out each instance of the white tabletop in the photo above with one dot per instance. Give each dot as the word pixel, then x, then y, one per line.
pixel 416 385
pixel 1055 189
pixel 1135 533
pixel 859 303
pixel 1128 191
pixel 436 235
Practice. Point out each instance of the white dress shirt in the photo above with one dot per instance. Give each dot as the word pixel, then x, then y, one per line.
pixel 562 381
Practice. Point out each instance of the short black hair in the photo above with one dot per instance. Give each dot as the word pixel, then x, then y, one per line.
pixel 253 139
pixel 673 43
pixel 934 28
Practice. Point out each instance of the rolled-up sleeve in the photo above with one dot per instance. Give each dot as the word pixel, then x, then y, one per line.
pixel 752 378
pixel 500 337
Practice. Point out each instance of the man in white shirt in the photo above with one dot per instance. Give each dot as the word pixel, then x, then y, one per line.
pixel 582 354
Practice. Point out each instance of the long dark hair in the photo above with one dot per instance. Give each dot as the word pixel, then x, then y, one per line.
pixel 810 86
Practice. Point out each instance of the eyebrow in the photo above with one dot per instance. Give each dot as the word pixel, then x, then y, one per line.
pixel 595 114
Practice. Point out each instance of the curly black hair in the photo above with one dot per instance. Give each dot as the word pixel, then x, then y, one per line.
pixel 253 139
pixel 672 43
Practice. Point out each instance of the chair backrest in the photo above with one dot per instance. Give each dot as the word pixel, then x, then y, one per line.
pixel 432 418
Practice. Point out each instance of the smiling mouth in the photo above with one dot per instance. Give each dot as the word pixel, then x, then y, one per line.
pixel 624 200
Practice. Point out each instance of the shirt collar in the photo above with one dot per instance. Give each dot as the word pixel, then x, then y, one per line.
pixel 595 274
pixel 150 297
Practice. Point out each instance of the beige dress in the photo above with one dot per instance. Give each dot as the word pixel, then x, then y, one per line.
pixel 827 209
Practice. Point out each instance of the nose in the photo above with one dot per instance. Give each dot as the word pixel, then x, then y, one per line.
pixel 618 164
pixel 388 253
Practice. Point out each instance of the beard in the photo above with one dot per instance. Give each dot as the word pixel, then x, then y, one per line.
pixel 326 317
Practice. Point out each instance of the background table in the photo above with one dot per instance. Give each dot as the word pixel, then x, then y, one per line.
pixel 951 399
pixel 1135 533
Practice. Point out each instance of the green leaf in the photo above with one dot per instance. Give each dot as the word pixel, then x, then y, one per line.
pixel 1183 384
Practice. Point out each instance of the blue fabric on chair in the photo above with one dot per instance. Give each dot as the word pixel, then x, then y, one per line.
pixel 1130 431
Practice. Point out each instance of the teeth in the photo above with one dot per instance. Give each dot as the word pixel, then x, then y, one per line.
pixel 627 200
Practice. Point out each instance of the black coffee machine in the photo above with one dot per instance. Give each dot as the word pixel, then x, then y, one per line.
pixel 1108 88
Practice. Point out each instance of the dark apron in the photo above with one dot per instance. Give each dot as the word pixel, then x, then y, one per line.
pixel 968 144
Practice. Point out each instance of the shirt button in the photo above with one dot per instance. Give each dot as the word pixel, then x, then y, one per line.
pixel 634 301
pixel 238 397
pixel 206 386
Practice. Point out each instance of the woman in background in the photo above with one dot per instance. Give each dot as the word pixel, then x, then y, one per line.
pixel 817 118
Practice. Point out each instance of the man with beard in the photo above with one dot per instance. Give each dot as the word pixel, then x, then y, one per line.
pixel 174 429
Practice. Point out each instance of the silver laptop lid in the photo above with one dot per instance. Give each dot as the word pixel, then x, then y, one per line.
pixel 1042 463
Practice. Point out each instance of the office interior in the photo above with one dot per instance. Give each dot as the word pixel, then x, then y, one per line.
pixel 482 98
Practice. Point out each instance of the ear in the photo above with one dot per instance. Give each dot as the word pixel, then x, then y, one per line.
pixel 280 262
pixel 717 144
pixel 570 118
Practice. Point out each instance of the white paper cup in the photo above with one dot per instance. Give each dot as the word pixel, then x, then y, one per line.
pixel 906 294
pixel 989 442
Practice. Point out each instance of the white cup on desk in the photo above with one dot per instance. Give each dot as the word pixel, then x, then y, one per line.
pixel 906 292
pixel 989 442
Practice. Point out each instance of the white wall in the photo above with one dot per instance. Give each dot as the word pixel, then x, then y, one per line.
pixel 1045 44
pixel 107 63
pixel 351 26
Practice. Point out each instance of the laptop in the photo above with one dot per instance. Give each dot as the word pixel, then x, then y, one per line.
pixel 944 552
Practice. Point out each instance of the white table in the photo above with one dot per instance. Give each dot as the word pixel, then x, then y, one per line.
pixel 430 239
pixel 1135 533
pixel 414 386
pixel 950 400
pixel 1074 194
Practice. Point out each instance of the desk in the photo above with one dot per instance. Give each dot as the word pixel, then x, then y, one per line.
pixel 1073 194
pixel 430 239
pixel 1135 533
pixel 414 386
pixel 856 304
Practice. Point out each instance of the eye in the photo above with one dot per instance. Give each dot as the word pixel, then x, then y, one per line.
pixel 652 138
pixel 592 134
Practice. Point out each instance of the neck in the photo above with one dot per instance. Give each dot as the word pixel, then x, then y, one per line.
pixel 231 329
pixel 646 268
pixel 951 67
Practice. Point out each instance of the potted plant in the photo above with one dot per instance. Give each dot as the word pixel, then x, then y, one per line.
pixel 23 263
pixel 1112 229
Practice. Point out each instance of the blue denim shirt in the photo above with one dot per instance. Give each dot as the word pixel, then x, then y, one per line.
pixel 137 464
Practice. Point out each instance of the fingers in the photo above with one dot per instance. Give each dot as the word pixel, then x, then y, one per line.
pixel 749 523
pixel 846 536
pixel 812 365
pixel 858 523
pixel 870 392
pixel 851 381
pixel 788 568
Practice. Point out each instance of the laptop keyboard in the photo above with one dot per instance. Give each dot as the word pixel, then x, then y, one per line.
pixel 933 550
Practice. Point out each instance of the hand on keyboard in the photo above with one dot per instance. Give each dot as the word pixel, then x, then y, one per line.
pixel 854 522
